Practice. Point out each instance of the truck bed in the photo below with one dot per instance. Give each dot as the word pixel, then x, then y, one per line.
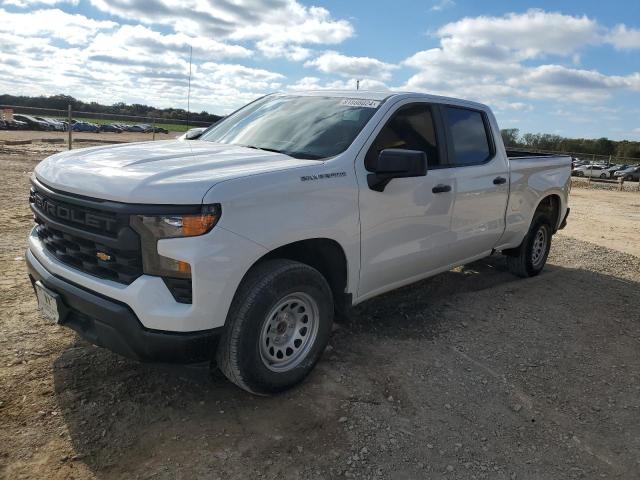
pixel 515 154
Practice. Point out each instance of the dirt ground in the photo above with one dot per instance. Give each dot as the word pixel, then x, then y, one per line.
pixel 606 217
pixel 471 374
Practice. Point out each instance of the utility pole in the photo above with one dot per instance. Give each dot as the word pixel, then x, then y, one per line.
pixel 357 84
pixel 189 88
pixel 69 126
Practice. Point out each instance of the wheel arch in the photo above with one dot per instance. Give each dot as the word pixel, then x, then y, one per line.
pixel 551 204
pixel 325 255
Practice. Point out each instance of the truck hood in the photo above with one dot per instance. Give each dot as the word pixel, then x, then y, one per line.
pixel 163 172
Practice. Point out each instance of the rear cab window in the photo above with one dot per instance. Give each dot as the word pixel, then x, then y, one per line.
pixel 469 138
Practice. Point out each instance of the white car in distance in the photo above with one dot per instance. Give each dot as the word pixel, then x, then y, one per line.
pixel 593 171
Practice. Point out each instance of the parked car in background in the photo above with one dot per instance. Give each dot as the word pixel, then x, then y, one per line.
pixel 110 128
pixel 15 125
pixel 53 123
pixel 32 122
pixel 136 128
pixel 576 162
pixel 593 171
pixel 85 127
pixel 614 168
pixel 629 174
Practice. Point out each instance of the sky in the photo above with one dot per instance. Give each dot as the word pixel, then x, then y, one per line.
pixel 566 67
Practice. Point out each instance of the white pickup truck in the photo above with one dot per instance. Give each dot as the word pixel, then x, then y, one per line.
pixel 240 247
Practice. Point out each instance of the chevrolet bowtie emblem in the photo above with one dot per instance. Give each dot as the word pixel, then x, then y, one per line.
pixel 103 256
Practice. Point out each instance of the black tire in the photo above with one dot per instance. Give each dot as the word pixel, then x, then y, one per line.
pixel 239 354
pixel 580 174
pixel 603 175
pixel 520 261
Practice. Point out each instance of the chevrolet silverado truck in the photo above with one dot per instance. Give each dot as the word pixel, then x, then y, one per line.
pixel 240 247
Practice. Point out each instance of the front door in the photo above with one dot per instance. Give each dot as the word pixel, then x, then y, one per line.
pixel 405 230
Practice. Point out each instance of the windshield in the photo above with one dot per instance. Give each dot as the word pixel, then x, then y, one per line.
pixel 299 126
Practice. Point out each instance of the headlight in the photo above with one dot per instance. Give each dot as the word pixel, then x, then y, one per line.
pixel 156 227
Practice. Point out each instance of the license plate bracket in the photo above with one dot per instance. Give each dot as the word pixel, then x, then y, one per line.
pixel 49 303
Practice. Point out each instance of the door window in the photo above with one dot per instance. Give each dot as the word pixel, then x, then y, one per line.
pixel 410 128
pixel 469 139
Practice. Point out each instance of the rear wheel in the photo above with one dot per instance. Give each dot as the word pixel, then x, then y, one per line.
pixel 277 328
pixel 530 257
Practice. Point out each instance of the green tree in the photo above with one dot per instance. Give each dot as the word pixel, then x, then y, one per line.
pixel 510 136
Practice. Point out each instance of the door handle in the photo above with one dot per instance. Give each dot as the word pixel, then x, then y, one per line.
pixel 441 188
pixel 499 180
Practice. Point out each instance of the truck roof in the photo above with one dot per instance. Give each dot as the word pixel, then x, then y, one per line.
pixel 385 94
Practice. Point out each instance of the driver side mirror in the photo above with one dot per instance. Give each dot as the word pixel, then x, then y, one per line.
pixel 396 163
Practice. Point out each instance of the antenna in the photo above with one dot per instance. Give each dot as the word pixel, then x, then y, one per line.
pixel 189 88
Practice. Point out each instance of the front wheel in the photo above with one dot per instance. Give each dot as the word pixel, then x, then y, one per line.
pixel 277 328
pixel 603 175
pixel 530 257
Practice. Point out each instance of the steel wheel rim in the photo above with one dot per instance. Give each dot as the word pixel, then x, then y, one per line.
pixel 539 247
pixel 289 332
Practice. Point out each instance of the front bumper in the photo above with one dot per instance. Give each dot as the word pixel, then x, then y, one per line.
pixel 111 324
pixel 218 262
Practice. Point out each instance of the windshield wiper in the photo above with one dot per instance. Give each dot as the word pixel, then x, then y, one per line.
pixel 301 155
pixel 275 150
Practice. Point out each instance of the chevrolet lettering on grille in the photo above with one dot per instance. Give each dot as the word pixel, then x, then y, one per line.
pixel 69 214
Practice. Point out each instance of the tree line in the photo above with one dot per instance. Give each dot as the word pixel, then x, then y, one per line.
pixel 61 102
pixel 592 146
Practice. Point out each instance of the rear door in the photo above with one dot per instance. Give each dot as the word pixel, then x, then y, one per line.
pixel 480 174
pixel 405 229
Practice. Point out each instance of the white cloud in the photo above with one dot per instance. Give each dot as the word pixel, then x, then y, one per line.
pixel 295 53
pixel 561 77
pixel 314 83
pixel 489 59
pixel 355 67
pixel 624 38
pixel 280 28
pixel 130 63
pixel 442 5
pixel 131 41
pixel 31 3
pixel 529 34
pixel 240 76
pixel 73 29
